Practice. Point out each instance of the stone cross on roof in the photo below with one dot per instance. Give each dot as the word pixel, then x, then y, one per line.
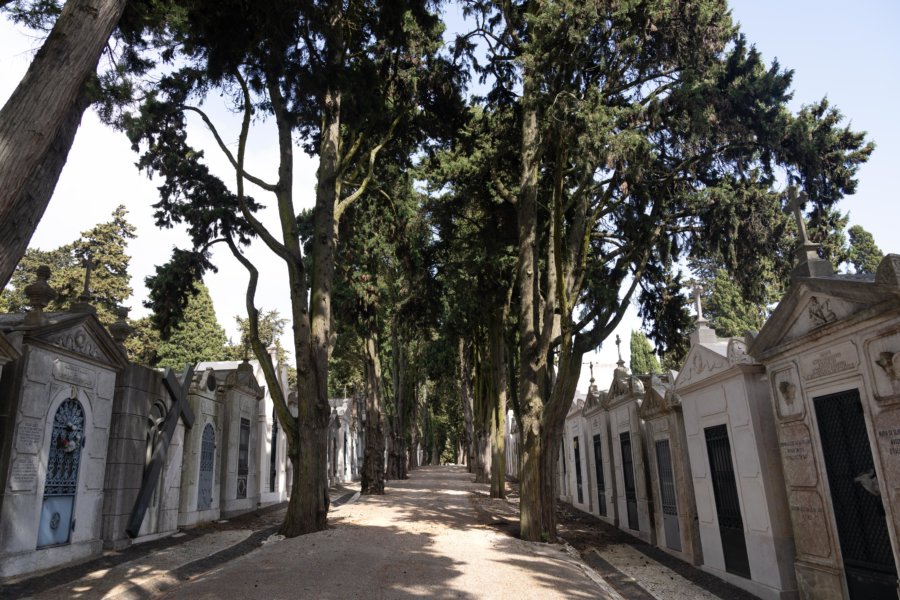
pixel 84 300
pixel 619 350
pixel 808 262
pixel 698 304
pixel 591 367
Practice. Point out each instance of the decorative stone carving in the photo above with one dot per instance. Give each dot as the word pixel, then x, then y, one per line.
pixel 890 363
pixel 39 295
pixel 820 313
pixel 78 341
pixel 737 353
pixel 888 272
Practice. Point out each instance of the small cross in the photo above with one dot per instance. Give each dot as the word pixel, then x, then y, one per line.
pixel 697 303
pixel 619 348
pixel 89 265
pixel 796 204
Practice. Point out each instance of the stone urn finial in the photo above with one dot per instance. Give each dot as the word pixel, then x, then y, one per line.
pixel 121 330
pixel 39 295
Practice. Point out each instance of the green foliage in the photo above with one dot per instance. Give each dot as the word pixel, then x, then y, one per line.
pixel 106 245
pixel 729 313
pixel 643 359
pixel 863 254
pixel 198 337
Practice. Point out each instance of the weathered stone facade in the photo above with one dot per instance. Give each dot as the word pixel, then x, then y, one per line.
pixel 832 355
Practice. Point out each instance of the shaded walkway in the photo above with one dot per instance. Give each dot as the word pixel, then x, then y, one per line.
pixel 422 539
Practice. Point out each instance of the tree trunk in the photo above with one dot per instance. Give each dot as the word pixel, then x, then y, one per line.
pixel 39 121
pixel 373 461
pixel 531 367
pixel 465 399
pixel 483 409
pixel 498 414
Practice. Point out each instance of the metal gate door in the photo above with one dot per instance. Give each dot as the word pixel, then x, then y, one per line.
pixel 598 468
pixel 667 493
pixel 858 510
pixel 243 467
pixel 628 476
pixel 207 459
pixel 728 504
pixel 578 470
pixel 61 484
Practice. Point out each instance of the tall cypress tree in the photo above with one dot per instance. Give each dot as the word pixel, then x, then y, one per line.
pixel 199 337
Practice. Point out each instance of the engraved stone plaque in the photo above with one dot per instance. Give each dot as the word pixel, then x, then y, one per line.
pixel 796 455
pixel 68 372
pixel 887 434
pixel 832 360
pixel 811 530
pixel 28 436
pixel 23 474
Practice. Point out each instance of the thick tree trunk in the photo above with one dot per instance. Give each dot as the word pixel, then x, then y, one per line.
pixel 373 461
pixel 531 367
pixel 39 121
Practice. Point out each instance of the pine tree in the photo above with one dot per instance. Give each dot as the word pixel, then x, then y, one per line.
pixel 643 360
pixel 863 254
pixel 199 337
pixel 105 245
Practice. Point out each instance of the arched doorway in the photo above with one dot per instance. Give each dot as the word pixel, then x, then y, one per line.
pixel 61 483
pixel 207 461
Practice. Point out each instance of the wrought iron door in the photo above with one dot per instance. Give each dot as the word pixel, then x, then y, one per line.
pixel 578 470
pixel 601 482
pixel 667 494
pixel 61 483
pixel 243 467
pixel 728 504
pixel 207 461
pixel 628 476
pixel 858 509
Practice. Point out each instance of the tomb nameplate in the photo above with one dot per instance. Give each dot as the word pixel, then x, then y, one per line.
pixel 28 437
pixel 810 526
pixel 796 455
pixel 830 361
pixel 23 474
pixel 64 371
pixel 887 432
pixel 595 423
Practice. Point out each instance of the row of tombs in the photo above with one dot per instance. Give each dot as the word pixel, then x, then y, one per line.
pixel 97 453
pixel 771 461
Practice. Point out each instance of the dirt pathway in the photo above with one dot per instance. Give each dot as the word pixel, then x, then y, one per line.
pixel 424 538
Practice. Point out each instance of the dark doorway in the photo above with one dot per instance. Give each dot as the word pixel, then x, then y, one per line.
pixel 243 459
pixel 858 511
pixel 667 494
pixel 628 476
pixel 728 504
pixel 578 470
pixel 207 459
pixel 601 482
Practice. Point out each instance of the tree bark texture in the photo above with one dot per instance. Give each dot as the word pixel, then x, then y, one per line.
pixel 39 121
pixel 498 412
pixel 373 461
pixel 465 399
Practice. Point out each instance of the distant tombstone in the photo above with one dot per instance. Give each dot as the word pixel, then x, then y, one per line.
pixel 830 351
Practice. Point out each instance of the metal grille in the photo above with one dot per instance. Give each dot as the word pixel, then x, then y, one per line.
pixel 273 454
pixel 628 477
pixel 207 459
pixel 243 459
pixel 66 442
pixel 668 500
pixel 578 470
pixel 666 478
pixel 601 482
pixel 859 512
pixel 728 504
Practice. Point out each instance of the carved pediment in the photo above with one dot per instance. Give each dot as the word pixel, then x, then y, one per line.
pixel 702 362
pixel 592 403
pixel 816 305
pixel 243 378
pixel 82 335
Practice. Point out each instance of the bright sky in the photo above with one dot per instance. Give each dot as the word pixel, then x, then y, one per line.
pixel 851 54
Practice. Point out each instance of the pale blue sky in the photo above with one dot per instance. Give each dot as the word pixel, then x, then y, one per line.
pixel 847 51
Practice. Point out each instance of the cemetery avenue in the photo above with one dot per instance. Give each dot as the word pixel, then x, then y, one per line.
pixel 435 535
